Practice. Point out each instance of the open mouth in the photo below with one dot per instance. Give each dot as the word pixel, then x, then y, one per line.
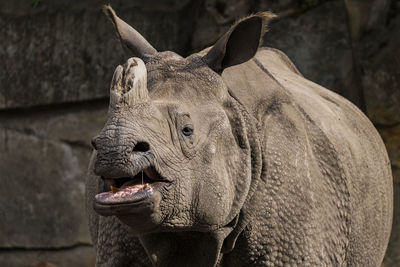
pixel 130 189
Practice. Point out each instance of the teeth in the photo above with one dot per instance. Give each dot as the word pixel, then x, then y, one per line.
pixel 114 189
pixel 109 182
pixel 116 185
pixel 144 186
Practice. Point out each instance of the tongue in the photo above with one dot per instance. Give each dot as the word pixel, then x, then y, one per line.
pixel 126 193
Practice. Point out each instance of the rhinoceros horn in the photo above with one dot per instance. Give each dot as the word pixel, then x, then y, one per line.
pixel 129 84
pixel 130 39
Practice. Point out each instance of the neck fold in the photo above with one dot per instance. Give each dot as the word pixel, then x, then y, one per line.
pixel 194 249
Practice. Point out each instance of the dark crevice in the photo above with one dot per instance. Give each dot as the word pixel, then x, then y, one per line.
pixel 386 126
pixel 54 107
pixel 220 7
pixel 18 248
pixel 74 143
pixel 306 6
pixel 25 131
pixel 393 12
pixel 358 98
pixel 188 14
pixel 29 132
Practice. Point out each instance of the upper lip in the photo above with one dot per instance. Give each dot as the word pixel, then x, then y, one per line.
pixel 136 162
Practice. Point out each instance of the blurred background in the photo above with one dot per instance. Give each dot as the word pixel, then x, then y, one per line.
pixel 57 58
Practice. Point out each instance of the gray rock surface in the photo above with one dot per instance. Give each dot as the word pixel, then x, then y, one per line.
pixel 44 154
pixel 36 173
pixel 317 41
pixel 79 256
pixel 60 52
pixel 381 81
pixel 392 257
pixel 73 124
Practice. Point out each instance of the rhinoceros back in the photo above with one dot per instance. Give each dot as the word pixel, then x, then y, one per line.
pixel 326 190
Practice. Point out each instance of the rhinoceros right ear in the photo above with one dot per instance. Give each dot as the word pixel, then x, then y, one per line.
pixel 240 43
pixel 131 40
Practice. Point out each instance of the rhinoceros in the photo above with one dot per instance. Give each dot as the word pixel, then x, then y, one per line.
pixel 230 157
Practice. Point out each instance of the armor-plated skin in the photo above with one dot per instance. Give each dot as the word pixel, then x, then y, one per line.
pixel 276 170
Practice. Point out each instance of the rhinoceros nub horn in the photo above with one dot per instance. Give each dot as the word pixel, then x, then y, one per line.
pixel 129 83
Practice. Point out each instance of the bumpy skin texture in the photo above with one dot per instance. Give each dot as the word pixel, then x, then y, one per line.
pixel 325 198
pixel 279 171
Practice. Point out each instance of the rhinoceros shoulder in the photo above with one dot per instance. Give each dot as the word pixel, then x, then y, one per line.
pixel 271 81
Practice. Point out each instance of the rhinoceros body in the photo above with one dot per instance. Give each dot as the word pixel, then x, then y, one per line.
pixel 271 169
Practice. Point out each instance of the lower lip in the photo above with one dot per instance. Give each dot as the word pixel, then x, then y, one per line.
pixel 129 195
pixel 107 205
pixel 126 195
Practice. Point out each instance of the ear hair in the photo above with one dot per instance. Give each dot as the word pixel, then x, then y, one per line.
pixel 265 17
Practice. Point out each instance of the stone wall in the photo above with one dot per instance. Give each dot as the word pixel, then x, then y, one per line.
pixel 57 60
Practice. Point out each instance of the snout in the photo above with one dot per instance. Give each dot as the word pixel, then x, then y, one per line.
pixel 130 177
pixel 122 160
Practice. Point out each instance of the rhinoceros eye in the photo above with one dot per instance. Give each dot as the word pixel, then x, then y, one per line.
pixel 187 130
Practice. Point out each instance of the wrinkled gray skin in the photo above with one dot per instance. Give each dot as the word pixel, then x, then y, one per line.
pixel 278 171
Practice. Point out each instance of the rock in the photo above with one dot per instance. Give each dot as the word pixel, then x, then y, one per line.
pixel 80 256
pixel 57 57
pixel 44 156
pixel 365 16
pixel 216 16
pixel 22 7
pixel 317 41
pixel 286 7
pixel 42 192
pixel 392 257
pixel 374 28
pixel 381 82
pixel 391 137
pixel 74 123
pixel 214 19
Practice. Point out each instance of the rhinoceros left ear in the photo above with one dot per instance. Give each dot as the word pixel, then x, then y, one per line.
pixel 240 43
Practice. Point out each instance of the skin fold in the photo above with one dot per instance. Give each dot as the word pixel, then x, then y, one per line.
pixel 250 163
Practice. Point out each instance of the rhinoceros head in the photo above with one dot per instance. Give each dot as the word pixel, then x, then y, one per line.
pixel 177 150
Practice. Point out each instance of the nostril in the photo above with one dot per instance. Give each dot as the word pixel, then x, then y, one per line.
pixel 93 142
pixel 141 147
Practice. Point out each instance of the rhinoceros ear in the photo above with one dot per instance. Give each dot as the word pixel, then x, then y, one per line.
pixel 240 43
pixel 132 42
